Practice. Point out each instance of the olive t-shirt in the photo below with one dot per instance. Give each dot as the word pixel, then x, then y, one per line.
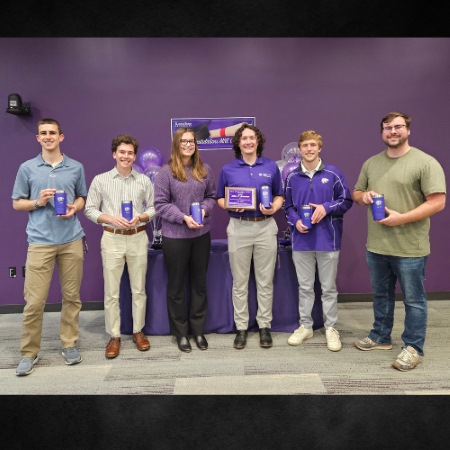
pixel 405 182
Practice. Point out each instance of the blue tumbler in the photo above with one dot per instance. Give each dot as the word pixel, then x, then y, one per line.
pixel 60 203
pixel 378 212
pixel 306 213
pixel 127 209
pixel 196 212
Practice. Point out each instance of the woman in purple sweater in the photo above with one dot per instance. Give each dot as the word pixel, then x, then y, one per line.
pixel 186 243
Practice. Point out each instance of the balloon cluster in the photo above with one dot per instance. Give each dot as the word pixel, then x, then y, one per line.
pixel 149 161
pixel 290 159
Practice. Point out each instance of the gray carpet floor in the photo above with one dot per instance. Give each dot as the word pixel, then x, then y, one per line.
pixel 222 370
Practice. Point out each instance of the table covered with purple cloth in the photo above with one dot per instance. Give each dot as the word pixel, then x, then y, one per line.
pixel 219 285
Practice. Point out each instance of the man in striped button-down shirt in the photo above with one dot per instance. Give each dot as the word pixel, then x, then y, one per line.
pixel 123 240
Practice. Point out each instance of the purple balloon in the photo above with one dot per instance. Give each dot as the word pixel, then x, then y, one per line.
pixel 287 169
pixel 149 156
pixel 289 151
pixel 281 163
pixel 137 168
pixel 151 170
pixel 295 158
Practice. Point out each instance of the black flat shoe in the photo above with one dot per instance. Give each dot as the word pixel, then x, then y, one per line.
pixel 201 342
pixel 265 339
pixel 183 344
pixel 240 340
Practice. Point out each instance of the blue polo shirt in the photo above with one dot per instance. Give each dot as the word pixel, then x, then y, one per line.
pixel 44 227
pixel 238 173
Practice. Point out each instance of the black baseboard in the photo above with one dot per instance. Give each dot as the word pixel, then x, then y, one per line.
pixel 342 298
pixel 50 307
pixel 347 298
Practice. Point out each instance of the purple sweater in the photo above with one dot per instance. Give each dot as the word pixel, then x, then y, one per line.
pixel 173 200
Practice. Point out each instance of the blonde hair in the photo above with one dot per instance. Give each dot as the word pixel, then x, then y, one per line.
pixel 310 134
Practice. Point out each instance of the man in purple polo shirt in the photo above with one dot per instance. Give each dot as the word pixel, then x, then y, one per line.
pixel 251 233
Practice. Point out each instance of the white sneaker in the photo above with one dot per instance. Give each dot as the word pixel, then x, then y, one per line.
pixel 407 360
pixel 333 342
pixel 300 335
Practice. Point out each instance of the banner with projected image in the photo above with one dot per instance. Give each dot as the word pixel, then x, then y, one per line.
pixel 212 133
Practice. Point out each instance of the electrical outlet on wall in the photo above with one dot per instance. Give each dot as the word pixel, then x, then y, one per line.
pixel 12 272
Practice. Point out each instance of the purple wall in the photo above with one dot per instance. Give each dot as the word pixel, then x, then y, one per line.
pixel 100 87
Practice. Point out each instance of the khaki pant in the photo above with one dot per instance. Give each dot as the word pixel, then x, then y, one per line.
pixel 116 250
pixel 39 271
pixel 257 240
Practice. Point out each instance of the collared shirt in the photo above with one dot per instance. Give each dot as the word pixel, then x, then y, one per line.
pixel 44 227
pixel 109 189
pixel 238 173
pixel 311 173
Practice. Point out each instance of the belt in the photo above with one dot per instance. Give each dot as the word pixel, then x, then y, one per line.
pixel 125 232
pixel 252 219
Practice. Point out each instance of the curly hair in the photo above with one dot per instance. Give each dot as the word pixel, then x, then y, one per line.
pixel 237 137
pixel 124 139
pixel 198 170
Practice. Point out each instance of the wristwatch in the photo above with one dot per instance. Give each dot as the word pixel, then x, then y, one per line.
pixel 36 205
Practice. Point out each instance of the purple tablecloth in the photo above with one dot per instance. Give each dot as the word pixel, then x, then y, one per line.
pixel 220 306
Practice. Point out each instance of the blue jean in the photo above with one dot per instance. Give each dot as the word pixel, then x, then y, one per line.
pixel 410 272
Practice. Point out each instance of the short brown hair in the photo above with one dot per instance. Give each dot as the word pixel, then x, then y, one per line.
pixel 124 139
pixel 392 116
pixel 49 121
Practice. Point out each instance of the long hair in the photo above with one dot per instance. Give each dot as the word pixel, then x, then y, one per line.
pixel 237 137
pixel 198 170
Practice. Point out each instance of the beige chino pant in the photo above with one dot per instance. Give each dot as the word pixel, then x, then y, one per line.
pixel 116 250
pixel 39 271
pixel 257 240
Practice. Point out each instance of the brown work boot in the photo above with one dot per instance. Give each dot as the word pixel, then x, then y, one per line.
pixel 113 348
pixel 141 341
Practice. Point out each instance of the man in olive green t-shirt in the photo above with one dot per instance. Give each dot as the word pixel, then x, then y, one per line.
pixel 413 185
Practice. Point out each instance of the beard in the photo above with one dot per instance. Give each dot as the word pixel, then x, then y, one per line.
pixel 401 141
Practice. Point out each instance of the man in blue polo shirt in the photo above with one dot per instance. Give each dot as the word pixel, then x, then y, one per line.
pixel 251 233
pixel 51 238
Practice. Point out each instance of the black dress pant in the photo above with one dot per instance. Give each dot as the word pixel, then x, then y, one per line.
pixel 186 260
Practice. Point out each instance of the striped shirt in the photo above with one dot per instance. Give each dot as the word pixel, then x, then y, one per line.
pixel 109 189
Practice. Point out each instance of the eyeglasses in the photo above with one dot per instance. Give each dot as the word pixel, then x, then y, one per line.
pixel 395 127
pixel 186 141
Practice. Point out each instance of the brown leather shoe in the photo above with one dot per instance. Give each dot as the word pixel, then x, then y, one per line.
pixel 113 348
pixel 142 343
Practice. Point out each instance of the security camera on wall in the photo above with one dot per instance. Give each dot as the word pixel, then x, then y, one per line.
pixel 16 107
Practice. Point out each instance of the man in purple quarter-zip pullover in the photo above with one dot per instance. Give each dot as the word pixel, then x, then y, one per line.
pixel 323 187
